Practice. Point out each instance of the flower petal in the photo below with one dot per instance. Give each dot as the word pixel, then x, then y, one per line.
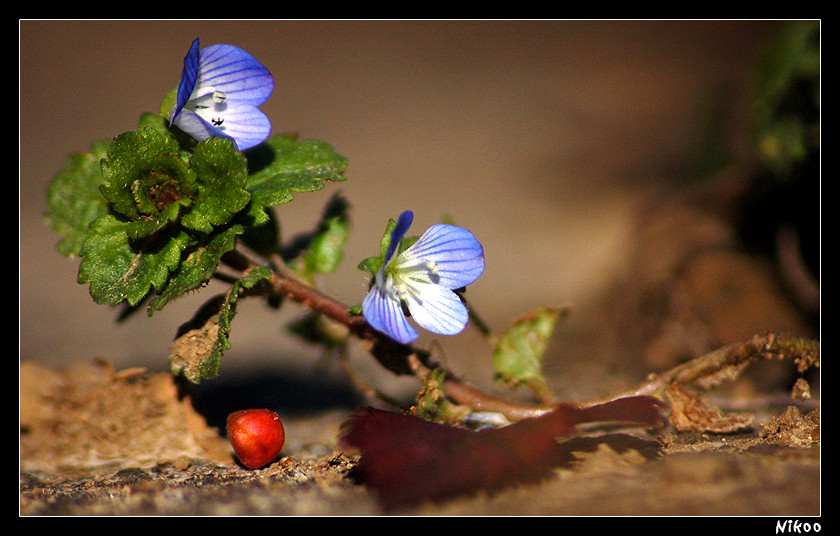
pixel 384 313
pixel 193 124
pixel 458 256
pixel 188 77
pixel 246 124
pixel 397 234
pixel 236 73
pixel 438 309
pixel 221 87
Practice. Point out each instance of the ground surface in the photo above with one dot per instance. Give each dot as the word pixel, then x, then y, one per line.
pixel 96 441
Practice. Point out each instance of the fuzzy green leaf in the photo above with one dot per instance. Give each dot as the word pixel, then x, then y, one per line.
pixel 74 200
pixel 118 268
pixel 284 165
pixel 154 121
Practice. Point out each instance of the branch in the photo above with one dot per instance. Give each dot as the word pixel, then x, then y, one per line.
pixel 728 362
pixel 705 371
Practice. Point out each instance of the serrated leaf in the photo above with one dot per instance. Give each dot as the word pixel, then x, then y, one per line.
pixel 287 166
pixel 119 269
pixel 197 351
pixel 519 351
pixel 221 172
pixel 197 267
pixel 74 200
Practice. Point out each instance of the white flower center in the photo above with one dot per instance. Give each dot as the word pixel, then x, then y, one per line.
pixel 209 104
pixel 406 276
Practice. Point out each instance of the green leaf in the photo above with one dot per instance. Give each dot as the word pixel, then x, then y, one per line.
pixel 316 329
pixel 74 200
pixel 284 165
pixel 197 350
pixel 169 101
pixel 119 268
pixel 519 351
pixel 154 121
pixel 326 249
pixel 197 267
pixel 264 239
pixel 221 172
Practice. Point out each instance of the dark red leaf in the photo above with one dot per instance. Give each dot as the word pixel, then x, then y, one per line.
pixel 405 459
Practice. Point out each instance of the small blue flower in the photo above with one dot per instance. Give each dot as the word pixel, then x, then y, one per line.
pixel 220 90
pixel 422 278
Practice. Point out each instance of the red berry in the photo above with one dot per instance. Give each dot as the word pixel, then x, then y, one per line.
pixel 257 436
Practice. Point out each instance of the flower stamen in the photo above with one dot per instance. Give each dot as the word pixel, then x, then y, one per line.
pixel 218 96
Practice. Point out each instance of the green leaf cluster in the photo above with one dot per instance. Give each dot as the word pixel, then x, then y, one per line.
pixel 152 216
pixel 787 106
pixel 283 166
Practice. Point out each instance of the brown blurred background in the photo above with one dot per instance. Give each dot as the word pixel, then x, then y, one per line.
pixel 543 138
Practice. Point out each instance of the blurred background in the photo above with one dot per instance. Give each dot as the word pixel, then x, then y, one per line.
pixel 565 146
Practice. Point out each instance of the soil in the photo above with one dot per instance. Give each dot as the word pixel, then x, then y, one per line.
pixel 100 442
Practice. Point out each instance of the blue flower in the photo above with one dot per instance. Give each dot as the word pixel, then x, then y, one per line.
pixel 220 90
pixel 422 278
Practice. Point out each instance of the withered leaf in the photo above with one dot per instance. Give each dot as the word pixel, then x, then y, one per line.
pixel 689 413
pixel 405 459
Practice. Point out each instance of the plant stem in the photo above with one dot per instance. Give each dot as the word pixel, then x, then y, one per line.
pixel 705 371
pixel 398 358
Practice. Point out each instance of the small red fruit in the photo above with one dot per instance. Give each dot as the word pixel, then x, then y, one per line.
pixel 257 436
